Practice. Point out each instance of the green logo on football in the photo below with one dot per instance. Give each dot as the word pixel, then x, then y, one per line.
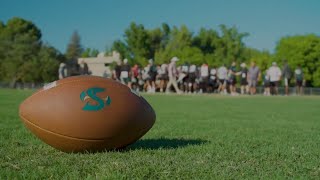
pixel 99 104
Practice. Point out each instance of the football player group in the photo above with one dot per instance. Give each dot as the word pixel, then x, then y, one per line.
pixel 189 78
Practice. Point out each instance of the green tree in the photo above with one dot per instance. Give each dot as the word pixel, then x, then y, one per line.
pixel 165 35
pixel 88 52
pixel 208 41
pixel 74 48
pixel 48 61
pixel 138 43
pixel 180 41
pixel 19 45
pixel 23 57
pixel 231 47
pixel 303 50
pixel 94 53
pixel 207 46
pixel 121 48
pixel 155 39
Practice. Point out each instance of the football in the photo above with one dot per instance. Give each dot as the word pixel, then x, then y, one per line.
pixel 87 113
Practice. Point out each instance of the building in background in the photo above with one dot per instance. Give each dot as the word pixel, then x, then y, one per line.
pixel 100 65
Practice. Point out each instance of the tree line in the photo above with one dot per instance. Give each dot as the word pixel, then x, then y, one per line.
pixel 24 57
pixel 217 47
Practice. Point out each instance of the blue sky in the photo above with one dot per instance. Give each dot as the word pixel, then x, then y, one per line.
pixel 100 22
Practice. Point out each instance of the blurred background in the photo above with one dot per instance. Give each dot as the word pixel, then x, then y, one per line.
pixel 42 40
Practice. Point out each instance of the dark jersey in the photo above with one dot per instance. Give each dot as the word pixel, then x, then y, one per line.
pixel 286 72
pixel 118 71
pixel 125 67
pixel 233 69
pixel 153 70
pixel 244 73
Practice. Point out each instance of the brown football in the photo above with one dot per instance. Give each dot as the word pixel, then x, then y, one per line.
pixel 87 113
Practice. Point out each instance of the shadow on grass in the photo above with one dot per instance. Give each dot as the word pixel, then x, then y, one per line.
pixel 165 143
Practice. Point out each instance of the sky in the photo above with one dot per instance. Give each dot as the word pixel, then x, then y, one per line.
pixel 100 22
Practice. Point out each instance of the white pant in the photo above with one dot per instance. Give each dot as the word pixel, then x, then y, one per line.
pixel 286 82
pixel 172 81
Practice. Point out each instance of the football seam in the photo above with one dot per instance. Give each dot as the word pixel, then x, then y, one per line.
pixel 26 120
pixel 75 138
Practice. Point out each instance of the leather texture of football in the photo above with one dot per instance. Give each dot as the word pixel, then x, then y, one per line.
pixel 87 113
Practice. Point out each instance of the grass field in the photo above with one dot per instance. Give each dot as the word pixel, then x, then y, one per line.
pixel 195 137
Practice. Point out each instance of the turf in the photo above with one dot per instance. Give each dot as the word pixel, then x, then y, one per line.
pixel 195 137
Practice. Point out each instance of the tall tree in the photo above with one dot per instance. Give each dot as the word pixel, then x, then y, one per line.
pixel 74 48
pixel 303 50
pixel 207 40
pixel 138 43
pixel 179 42
pixel 208 46
pixel 19 45
pixel 155 40
pixel 166 35
pixel 232 46
pixel 48 60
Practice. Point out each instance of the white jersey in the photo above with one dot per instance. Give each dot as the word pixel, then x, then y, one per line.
pixel 145 73
pixel 213 71
pixel 185 69
pixel 164 68
pixel 204 71
pixel 124 74
pixel 298 72
pixel 62 71
pixel 159 71
pixel 274 73
pixel 267 76
pixel 192 68
pixel 222 72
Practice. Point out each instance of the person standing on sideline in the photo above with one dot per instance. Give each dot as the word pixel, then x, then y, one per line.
pixel 172 73
pixel 244 80
pixel 152 76
pixel 145 78
pixel 222 74
pixel 298 74
pixel 117 70
pixel 134 77
pixel 286 73
pixel 84 69
pixel 212 83
pixel 125 73
pixel 163 76
pixel 184 81
pixel 192 75
pixel 266 83
pixel 275 76
pixel 204 77
pixel 232 78
pixel 62 70
pixel 253 77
